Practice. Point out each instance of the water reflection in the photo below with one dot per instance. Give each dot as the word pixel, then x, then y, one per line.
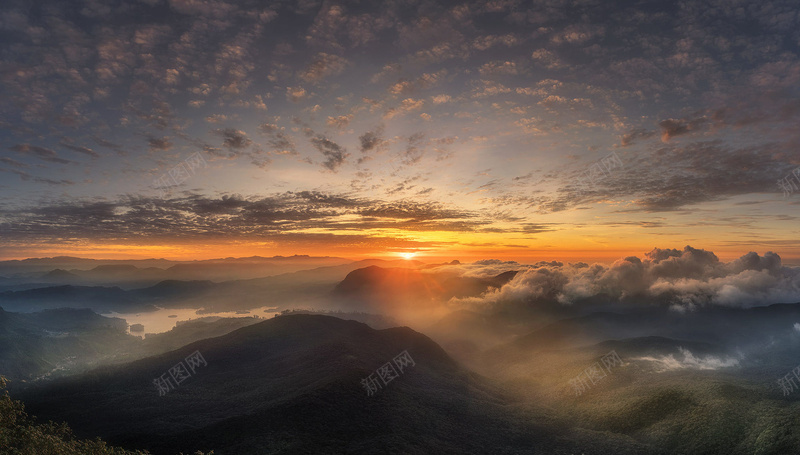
pixel 164 319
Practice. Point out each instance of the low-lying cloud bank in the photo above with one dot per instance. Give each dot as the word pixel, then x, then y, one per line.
pixel 682 279
pixel 687 360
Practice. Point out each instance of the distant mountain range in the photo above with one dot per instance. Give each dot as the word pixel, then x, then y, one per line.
pixel 352 281
pixel 22 274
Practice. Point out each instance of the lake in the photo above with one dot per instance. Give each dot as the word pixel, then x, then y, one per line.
pixel 164 319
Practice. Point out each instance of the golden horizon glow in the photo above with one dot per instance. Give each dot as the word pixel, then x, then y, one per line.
pixel 431 255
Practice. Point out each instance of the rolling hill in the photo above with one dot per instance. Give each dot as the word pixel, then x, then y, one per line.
pixel 293 385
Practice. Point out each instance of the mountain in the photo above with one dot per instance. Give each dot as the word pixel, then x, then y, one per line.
pixel 248 268
pixel 141 273
pixel 66 341
pixel 60 276
pixel 99 298
pixel 411 284
pixel 44 265
pixel 53 341
pixel 293 385
pixel 171 289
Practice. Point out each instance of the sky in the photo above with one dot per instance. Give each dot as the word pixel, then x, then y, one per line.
pixel 553 130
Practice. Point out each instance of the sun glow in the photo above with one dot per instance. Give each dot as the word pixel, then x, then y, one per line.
pixel 408 256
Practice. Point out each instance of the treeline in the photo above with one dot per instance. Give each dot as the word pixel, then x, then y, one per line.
pixel 20 434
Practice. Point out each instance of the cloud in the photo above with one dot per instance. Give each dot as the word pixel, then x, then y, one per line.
pixel 80 149
pixel 209 8
pixel 340 121
pixel 42 153
pixel 634 136
pixel 682 279
pixel 414 149
pixel 483 43
pixel 296 94
pixel 323 66
pixel 496 68
pixel 406 106
pixel 427 80
pixel 280 142
pixel 11 162
pixel 547 58
pixel 159 143
pixel 334 153
pixel 687 360
pixel 281 217
pixel 233 138
pixel 372 140
pixel 31 178
pixel 669 177
pixel 578 34
pixel 671 128
pixel 334 28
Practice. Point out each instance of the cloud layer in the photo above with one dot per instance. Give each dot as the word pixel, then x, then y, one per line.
pixel 503 107
pixel 683 279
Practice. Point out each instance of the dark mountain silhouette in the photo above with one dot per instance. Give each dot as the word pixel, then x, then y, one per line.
pixel 292 385
pixel 412 284
pixel 100 298
pixel 44 265
pixel 24 274
pixel 60 276
pixel 174 289
pixel 115 269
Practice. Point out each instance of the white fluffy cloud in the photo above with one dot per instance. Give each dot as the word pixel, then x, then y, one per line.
pixel 683 279
pixel 687 360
